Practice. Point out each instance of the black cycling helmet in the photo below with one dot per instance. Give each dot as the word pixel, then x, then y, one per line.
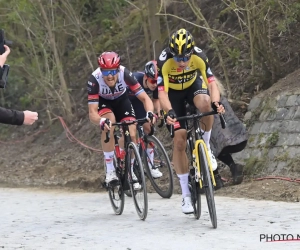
pixel 181 43
pixel 151 70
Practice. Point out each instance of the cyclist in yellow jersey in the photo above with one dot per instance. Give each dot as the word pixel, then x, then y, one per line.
pixel 179 66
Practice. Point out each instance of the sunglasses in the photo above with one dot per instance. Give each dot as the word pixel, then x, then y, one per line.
pixel 112 72
pixel 152 81
pixel 181 58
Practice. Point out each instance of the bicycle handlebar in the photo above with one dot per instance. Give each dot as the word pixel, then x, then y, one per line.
pixel 198 116
pixel 138 121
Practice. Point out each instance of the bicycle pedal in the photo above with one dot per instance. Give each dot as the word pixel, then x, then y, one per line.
pixel 113 184
pixel 104 185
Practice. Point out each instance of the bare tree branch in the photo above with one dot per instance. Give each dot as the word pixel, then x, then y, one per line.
pixel 202 27
pixel 127 1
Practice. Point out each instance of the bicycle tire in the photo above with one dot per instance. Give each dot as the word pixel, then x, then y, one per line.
pixel 159 184
pixel 116 194
pixel 139 172
pixel 196 197
pixel 208 187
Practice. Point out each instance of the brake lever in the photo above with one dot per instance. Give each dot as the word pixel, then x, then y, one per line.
pixel 172 127
pixel 152 130
pixel 223 121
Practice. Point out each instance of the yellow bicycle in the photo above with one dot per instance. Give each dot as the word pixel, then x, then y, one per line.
pixel 201 176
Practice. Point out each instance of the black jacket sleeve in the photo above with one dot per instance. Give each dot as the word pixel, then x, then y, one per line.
pixel 1 72
pixel 13 117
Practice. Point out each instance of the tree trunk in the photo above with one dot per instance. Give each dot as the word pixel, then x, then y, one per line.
pixel 66 97
pixel 154 24
pixel 251 37
pixel 146 36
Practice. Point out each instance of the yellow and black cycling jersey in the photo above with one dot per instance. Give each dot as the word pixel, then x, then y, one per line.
pixel 173 77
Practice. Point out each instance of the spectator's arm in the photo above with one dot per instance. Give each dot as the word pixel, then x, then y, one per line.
pixel 13 117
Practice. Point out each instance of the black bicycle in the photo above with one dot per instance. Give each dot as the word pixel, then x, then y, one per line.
pixel 164 184
pixel 201 174
pixel 125 182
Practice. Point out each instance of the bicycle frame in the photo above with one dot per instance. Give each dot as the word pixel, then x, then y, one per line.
pixel 142 137
pixel 199 140
pixel 194 145
pixel 123 157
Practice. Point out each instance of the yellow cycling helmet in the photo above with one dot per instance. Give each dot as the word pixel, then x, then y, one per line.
pixel 181 43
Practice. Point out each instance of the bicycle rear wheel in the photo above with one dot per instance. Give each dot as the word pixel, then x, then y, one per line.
pixel 207 184
pixel 195 194
pixel 140 197
pixel 116 193
pixel 163 185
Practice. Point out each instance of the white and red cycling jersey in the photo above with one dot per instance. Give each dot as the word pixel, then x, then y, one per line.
pixel 97 88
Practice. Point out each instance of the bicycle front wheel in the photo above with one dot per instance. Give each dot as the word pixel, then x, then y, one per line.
pixel 207 184
pixel 139 195
pixel 116 193
pixel 163 185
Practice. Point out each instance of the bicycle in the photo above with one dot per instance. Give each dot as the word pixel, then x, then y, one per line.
pixel 201 174
pixel 162 185
pixel 122 163
pixel 146 141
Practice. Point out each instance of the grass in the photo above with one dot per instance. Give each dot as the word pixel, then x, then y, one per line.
pixel 272 140
pixel 255 165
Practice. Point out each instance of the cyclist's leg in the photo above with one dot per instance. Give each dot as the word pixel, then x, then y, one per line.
pixel 141 113
pixel 199 96
pixel 105 110
pixel 180 160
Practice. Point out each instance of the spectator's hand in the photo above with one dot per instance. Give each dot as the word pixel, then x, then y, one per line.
pixel 30 117
pixel 3 57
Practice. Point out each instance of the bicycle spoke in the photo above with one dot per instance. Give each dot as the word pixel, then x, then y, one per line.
pixel 162 185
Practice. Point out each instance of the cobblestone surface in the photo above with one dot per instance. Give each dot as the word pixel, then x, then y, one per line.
pixel 39 219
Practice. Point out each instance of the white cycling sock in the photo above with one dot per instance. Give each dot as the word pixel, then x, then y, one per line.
pixel 109 161
pixel 150 153
pixel 184 181
pixel 131 164
pixel 206 138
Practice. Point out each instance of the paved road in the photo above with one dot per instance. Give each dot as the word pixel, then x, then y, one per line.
pixel 39 219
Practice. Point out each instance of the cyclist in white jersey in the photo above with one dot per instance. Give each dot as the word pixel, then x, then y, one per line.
pixel 107 99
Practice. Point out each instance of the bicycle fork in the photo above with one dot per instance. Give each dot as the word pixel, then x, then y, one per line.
pixel 197 169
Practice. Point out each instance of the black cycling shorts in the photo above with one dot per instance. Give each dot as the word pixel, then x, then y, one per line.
pixel 121 107
pixel 178 99
pixel 139 109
